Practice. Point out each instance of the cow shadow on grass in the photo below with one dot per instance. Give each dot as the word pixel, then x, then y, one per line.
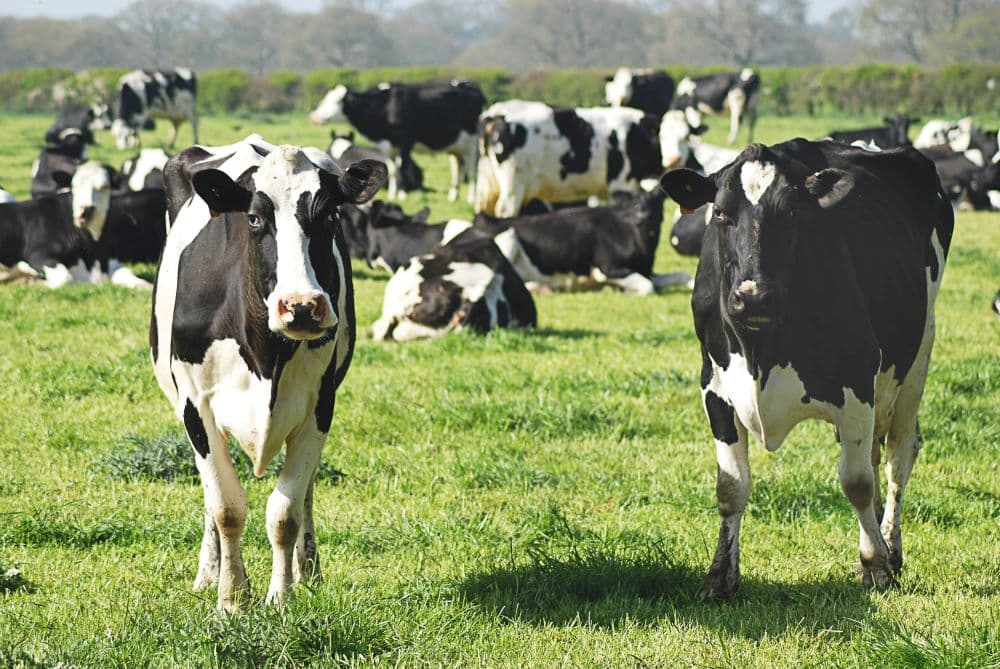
pixel 606 591
pixel 569 333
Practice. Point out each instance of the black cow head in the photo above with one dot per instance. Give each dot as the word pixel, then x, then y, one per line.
pixel 899 125
pixel 759 203
pixel 288 208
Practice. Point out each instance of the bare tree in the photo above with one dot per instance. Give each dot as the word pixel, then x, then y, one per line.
pixel 157 26
pixel 901 28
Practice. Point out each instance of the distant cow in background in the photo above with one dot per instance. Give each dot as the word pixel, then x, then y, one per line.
pixel 145 170
pixel 409 176
pixel 681 145
pixel 147 94
pixel 894 133
pixel 650 91
pixel 689 229
pixel 737 92
pixel 465 284
pixel 95 117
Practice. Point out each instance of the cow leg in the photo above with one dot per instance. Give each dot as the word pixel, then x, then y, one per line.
pixel 173 134
pixel 286 507
pixel 208 557
pixel 510 200
pixel 736 101
pixel 634 283
pixel 226 506
pixel 457 175
pixel 751 119
pixel 194 127
pixel 732 489
pixel 472 171
pixel 857 480
pixel 877 494
pixel 305 567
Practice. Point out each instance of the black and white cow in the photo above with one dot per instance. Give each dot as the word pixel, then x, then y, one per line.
pixel 52 170
pixel 560 154
pixel 966 182
pixel 650 91
pixel 430 117
pixel 409 176
pixel 252 332
pixel 86 121
pixel 394 238
pixel 5 196
pixel 587 247
pixel 814 298
pixel 135 229
pixel 147 94
pixel 737 92
pixel 464 284
pixel 145 170
pixel 689 229
pixel 894 133
pixel 63 238
pixel 681 145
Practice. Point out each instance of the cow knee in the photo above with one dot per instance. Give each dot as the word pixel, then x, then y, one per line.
pixel 859 490
pixel 230 519
pixel 283 521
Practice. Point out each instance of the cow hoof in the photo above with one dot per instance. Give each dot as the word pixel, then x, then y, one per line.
pixel 878 578
pixel 896 561
pixel 278 598
pixel 717 588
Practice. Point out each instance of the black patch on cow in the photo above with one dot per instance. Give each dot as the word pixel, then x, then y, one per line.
pixel 643 149
pixel 509 136
pixel 580 134
pixel 335 374
pixel 195 429
pixel 154 343
pixel 261 151
pixel 616 161
pixel 129 105
pixel 931 260
pixel 720 417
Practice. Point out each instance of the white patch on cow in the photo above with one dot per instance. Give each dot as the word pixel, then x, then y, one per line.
pixel 475 279
pixel 746 74
pixel 454 228
pixel 57 276
pixel 686 87
pixel 5 197
pixel 91 190
pixel 748 287
pixel 694 116
pixel 619 89
pixel 331 107
pixel 402 294
pixel 756 178
pixel 675 240
pixel 975 156
pixel 867 146
pixel 708 213
pixel 147 161
pixel 675 139
pixel 184 72
pixel 510 247
pixel 712 158
pixel 123 276
pixel 338 146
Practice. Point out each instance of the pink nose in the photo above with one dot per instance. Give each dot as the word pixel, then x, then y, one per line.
pixel 304 312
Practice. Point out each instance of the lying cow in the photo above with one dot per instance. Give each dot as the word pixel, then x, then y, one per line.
pixel 588 247
pixel 430 117
pixel 145 170
pixel 681 145
pixel 735 92
pixel 147 94
pixel 650 91
pixel 52 170
pixel 560 154
pixel 409 176
pixel 689 228
pixel 62 238
pixel 965 181
pixel 894 133
pixel 465 284
pixel 815 299
pixel 85 121
pixel 252 332
pixel 393 238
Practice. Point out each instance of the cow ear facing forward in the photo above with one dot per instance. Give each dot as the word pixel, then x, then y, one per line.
pixel 219 192
pixel 688 188
pixel 829 186
pixel 362 180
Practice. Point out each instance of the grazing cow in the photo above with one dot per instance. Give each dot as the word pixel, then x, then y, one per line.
pixel 409 176
pixel 430 117
pixel 147 94
pixel 559 154
pixel 894 133
pixel 689 229
pixel 63 238
pixel 252 332
pixel 96 117
pixel 146 169
pixel 465 284
pixel 650 91
pixel 814 298
pixel 587 247
pixel 737 92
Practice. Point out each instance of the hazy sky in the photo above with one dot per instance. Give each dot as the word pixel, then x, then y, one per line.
pixel 818 9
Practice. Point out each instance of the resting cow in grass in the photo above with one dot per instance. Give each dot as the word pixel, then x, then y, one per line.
pixel 814 298
pixel 252 333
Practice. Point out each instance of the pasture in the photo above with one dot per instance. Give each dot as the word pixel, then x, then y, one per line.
pixel 539 499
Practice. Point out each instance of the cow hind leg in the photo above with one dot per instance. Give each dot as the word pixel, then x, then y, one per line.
pixel 173 134
pixel 732 489
pixel 457 175
pixel 208 557
pixel 857 480
pixel 286 508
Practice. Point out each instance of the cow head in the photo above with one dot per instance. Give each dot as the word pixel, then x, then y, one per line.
pixel 331 107
pixel 759 203
pixel 99 116
pixel 288 210
pixel 71 142
pixel 340 143
pixel 126 137
pixel 91 195
pixel 618 89
pixel 676 132
pixel 899 126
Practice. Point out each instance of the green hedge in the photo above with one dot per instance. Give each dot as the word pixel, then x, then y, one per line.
pixel 954 90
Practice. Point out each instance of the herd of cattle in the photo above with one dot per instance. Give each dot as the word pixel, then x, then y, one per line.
pixel 814 295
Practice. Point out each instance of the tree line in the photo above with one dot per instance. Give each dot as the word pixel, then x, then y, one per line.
pixel 522 35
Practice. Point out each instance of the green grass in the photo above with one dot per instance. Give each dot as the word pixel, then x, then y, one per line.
pixel 540 499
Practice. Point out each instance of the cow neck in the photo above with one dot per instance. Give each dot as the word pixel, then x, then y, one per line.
pixel 358 112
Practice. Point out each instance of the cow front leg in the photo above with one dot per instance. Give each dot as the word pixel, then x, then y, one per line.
pixel 305 567
pixel 194 127
pixel 857 480
pixel 457 175
pixel 732 489
pixel 225 505
pixel 208 556
pixel 173 134
pixel 285 507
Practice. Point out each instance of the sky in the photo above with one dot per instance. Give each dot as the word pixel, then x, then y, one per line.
pixel 818 9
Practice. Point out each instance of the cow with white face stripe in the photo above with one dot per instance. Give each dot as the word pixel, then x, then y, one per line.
pixel 251 334
pixel 814 298
pixel 735 92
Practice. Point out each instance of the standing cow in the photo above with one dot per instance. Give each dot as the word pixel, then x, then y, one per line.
pixel 735 92
pixel 814 298
pixel 147 94
pixel 252 333
pixel 650 91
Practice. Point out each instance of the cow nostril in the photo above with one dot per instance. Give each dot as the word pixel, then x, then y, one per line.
pixel 319 310
pixel 737 302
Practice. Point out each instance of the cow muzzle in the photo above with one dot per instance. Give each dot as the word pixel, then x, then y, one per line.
pixel 303 315
pixel 754 306
pixel 85 216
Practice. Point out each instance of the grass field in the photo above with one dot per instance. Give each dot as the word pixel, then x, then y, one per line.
pixel 539 499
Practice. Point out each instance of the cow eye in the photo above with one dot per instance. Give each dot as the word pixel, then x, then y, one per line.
pixel 254 221
pixel 722 218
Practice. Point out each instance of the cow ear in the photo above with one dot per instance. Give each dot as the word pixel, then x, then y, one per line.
pixel 829 186
pixel 688 188
pixel 62 178
pixel 362 180
pixel 887 120
pixel 422 215
pixel 219 192
pixel 700 130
